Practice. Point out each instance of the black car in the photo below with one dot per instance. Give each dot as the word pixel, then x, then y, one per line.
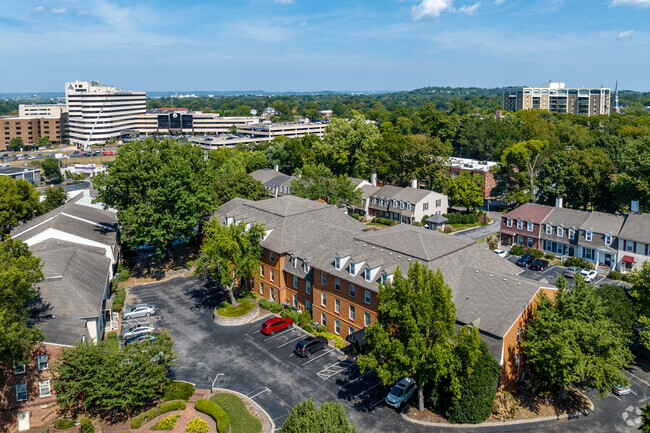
pixel 525 260
pixel 310 345
pixel 538 265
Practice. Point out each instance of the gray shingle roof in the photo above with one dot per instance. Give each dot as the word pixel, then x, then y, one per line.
pixel 271 178
pixel 567 218
pixel 600 222
pixel 636 228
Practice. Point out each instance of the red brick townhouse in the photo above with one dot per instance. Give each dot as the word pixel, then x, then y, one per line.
pixel 319 259
pixel 523 225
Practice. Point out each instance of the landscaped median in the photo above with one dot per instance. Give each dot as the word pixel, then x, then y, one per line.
pixel 243 312
pixel 217 413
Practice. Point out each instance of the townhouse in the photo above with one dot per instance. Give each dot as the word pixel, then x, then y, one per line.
pixel 318 259
pixel 78 245
pixel 278 184
pixel 523 225
pixel 406 205
pixel 634 242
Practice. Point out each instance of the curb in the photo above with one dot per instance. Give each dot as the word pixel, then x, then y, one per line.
pixel 472 228
pixel 248 399
pixel 236 321
pixel 502 423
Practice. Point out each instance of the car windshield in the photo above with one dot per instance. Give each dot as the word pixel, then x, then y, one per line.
pixel 397 391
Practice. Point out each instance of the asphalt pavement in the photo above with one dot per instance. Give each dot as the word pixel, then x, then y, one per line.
pixel 482 231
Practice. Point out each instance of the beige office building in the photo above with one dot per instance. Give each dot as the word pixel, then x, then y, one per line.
pixel 183 121
pixel 556 98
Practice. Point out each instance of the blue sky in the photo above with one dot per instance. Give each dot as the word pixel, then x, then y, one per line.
pixel 310 45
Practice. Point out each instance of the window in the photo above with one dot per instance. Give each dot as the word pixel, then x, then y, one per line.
pixel 588 235
pixel 559 231
pixel 572 234
pixel 323 299
pixel 44 388
pixel 352 290
pixel 337 284
pixel 323 278
pixel 262 270
pixel 408 206
pixel 367 296
pixel 394 203
pixel 352 312
pixel 271 256
pixel 21 392
pixel 509 222
pixel 43 363
pixel 517 359
pixel 295 281
pixel 261 288
pixel 401 205
pixel 350 330
pixel 351 267
pixel 549 229
pixel 425 206
pixel 323 319
pixel 272 275
pixel 608 239
pixel 293 261
pixel 337 327
pixel 366 273
pixel 261 252
pixel 295 300
pixel 366 319
pixel 529 242
pixel 518 334
pixel 529 226
pixel 308 287
pixel 308 305
pixel 19 368
pixel 337 262
pixel 305 266
pixel 374 200
pixel 337 305
pixel 520 224
pixel 438 202
pixel 272 296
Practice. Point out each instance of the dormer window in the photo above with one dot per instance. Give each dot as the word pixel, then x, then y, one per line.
pixel 293 261
pixel 351 267
pixel 337 262
pixel 572 234
pixel 305 266
pixel 559 231
pixel 588 235
pixel 549 229
pixel 401 205
pixel 394 203
pixel 386 278
pixel 374 200
pixel 529 226
pixel 509 222
pixel 520 224
pixel 608 239
pixel 408 206
pixel 366 274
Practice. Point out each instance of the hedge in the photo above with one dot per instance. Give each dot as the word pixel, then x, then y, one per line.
pixel 177 391
pixel 615 275
pixel 338 340
pixel 162 408
pixel 384 221
pixel 212 409
pixel 118 300
pixel 64 424
pixel 87 425
pixel 578 262
pixel 112 342
pixel 171 405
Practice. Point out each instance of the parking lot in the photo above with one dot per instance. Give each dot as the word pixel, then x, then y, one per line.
pixel 551 274
pixel 266 369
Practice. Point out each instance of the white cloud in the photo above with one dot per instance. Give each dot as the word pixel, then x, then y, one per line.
pixel 643 4
pixel 498 2
pixel 59 10
pixel 39 8
pixel 625 34
pixel 431 9
pixel 469 10
pixel 284 2
pixel 303 24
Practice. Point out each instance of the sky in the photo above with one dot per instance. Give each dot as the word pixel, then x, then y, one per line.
pixel 317 45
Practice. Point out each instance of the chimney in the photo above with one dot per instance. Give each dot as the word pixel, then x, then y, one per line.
pixel 634 206
pixel 373 179
pixel 276 167
pixel 414 183
pixel 558 201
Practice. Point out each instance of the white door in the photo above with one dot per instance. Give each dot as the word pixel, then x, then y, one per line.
pixel 23 421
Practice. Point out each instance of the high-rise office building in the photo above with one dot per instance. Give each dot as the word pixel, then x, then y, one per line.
pixel 97 113
pixel 555 98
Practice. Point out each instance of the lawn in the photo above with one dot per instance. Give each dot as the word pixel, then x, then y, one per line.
pixel 241 421
pixel 227 310
pixel 458 227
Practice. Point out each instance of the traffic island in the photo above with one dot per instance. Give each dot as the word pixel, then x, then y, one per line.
pixel 235 315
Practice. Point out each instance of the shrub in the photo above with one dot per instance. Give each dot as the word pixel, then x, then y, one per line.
pixel 480 213
pixel 384 221
pixel 473 219
pixel 309 328
pixel 64 424
pixel 549 256
pixel 275 307
pixel 137 422
pixel 321 328
pixel 226 309
pixel 305 319
pixel 493 242
pixel 424 219
pixel 291 314
pixel 504 406
pixel 448 229
pixel 615 275
pixel 264 304
pixel 579 262
pixel 338 340
pixel 355 216
pixel 169 406
pixel 538 254
pixel 166 423
pixel 517 250
pixel 212 409
pixel 417 224
pixel 197 425
pixel 177 391
pixel 118 300
pixel 122 275
pixel 111 341
pixel 87 425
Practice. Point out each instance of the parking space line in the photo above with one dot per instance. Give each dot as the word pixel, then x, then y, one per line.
pixel 616 397
pixel 633 392
pixel 354 380
pixel 372 387
pixel 261 392
pixel 290 341
pixel 278 334
pixel 314 359
pixel 381 400
pixel 638 378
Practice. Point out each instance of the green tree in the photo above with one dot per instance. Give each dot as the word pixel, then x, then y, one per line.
pixel 19 202
pixel 15 143
pixel 54 197
pixel 316 182
pixel 466 190
pixel 645 419
pixel 413 333
pixel 230 254
pixel 346 146
pixel 43 141
pixel 330 417
pixel 524 160
pixel 229 186
pixel 51 169
pixel 161 190
pixel 19 272
pixel 620 307
pixel 96 380
pixel 233 129
pixel 74 176
pixel 572 338
pixel 640 292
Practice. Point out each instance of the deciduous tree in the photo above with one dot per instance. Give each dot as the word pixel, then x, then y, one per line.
pixel 524 160
pixel 51 169
pixel 229 186
pixel 54 197
pixel 18 202
pixel 466 190
pixel 330 417
pixel 318 182
pixel 640 292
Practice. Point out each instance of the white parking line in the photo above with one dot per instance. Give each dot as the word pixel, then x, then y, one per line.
pixel 613 395
pixel 381 400
pixel 261 392
pixel 633 392
pixel 638 378
pixel 372 387
pixel 314 359
pixel 290 341
pixel 278 334
pixel 354 380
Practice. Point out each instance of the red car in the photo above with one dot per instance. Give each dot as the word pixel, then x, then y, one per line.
pixel 275 324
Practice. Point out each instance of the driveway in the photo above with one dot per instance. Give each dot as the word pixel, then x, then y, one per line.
pixel 265 368
pixel 482 231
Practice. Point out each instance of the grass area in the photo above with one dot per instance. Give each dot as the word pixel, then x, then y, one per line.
pixel 227 310
pixel 459 227
pixel 377 225
pixel 241 421
pixel 485 238
pixel 112 342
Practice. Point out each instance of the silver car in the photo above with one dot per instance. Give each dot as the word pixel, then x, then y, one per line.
pixel 135 330
pixel 401 393
pixel 140 310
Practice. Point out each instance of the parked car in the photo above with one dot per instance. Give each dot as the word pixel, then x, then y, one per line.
pixel 500 253
pixel 588 275
pixel 310 345
pixel 275 324
pixel 135 330
pixel 572 271
pixel 141 338
pixel 401 393
pixel 525 260
pixel 140 310
pixel 538 265
pixel 622 389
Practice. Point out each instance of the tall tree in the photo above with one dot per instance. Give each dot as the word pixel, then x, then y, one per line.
pixel 330 417
pixel 413 333
pixel 524 160
pixel 466 190
pixel 645 419
pixel 318 182
pixel 230 254
pixel 640 292
pixel 573 338
pixel 241 185
pixel 15 143
pixel 19 272
pixel 43 141
pixel 161 190
pixel 51 169
pixel 348 144
pixel 19 202
pixel 54 197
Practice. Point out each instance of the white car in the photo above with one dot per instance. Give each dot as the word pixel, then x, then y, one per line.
pixel 500 253
pixel 588 275
pixel 401 393
pixel 135 330
pixel 140 310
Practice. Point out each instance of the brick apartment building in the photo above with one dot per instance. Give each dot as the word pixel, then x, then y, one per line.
pixel 30 129
pixel 318 259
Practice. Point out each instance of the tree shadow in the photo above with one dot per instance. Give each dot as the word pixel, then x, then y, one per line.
pixel 207 296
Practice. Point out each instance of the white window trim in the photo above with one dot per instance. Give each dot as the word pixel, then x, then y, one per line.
pixel 47 362
pixel 272 274
pixel 337 305
pixel 508 222
pixel 366 318
pixel 323 319
pixel 367 297
pixel 572 234
pixel 352 313
pixel 529 226
pixel 549 229
pixel 323 299
pixel 21 386
pixel 40 388
pixel 559 231
pixel 337 327
pixel 367 274
pixel 608 237
pixel 588 235
pixel 520 224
